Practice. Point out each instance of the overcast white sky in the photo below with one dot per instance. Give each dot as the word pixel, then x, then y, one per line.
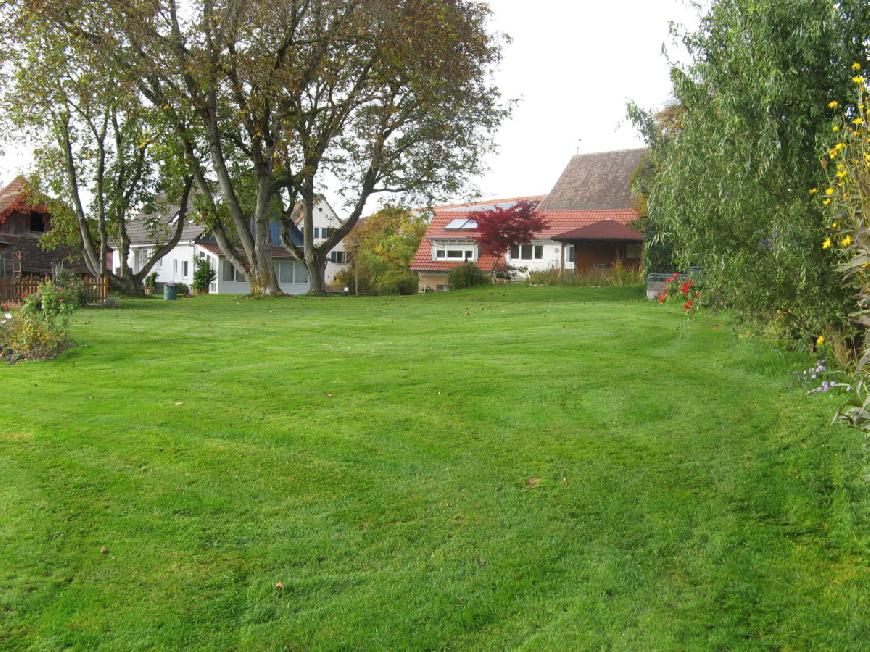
pixel 573 64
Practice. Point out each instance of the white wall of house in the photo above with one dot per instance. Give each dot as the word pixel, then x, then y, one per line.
pixel 292 277
pixel 538 256
pixel 174 267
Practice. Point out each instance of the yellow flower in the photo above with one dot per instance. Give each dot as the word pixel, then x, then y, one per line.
pixel 856 66
pixel 835 129
pixel 858 79
pixel 815 191
pixel 820 340
pixel 834 225
pixel 829 191
pixel 841 174
pixel 833 104
pixel 840 147
pixel 846 241
pixel 826 201
pixel 826 244
pixel 858 121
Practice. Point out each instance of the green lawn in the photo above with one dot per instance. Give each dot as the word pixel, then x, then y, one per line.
pixel 536 468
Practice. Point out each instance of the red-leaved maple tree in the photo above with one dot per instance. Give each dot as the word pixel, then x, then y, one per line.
pixel 499 229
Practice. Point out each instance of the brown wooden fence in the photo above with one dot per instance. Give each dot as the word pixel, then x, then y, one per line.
pixel 14 289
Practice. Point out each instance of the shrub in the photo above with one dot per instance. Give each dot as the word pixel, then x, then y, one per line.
pixel 38 329
pixel 151 281
pixel 182 289
pixel 466 275
pixel 203 275
pixel 618 276
pixel 72 288
pixel 398 283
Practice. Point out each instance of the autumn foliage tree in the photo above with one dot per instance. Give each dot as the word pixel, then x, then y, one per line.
pixel 499 229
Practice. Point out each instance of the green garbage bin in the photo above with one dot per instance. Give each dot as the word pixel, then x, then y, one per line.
pixel 170 292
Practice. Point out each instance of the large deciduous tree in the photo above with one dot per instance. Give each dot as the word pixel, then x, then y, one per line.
pixel 271 100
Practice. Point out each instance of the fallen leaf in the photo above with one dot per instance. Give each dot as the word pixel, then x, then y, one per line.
pixel 104 550
pixel 533 483
pixel 279 586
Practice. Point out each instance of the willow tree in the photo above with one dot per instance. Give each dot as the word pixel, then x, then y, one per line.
pixel 731 182
pixel 272 100
pixel 99 157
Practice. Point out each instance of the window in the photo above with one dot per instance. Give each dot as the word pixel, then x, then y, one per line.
pixel 37 224
pixel 232 275
pixel 184 268
pixel 316 233
pixel 633 251
pixel 300 272
pixel 338 257
pixel 284 271
pixel 453 252
pixel 527 252
pixel 569 253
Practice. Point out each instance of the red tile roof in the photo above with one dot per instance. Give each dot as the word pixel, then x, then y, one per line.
pixel 557 223
pixel 604 230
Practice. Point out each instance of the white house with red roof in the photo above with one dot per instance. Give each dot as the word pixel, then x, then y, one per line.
pixel 588 217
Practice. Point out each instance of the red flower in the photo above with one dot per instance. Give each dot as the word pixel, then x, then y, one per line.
pixel 663 297
pixel 688 305
pixel 685 287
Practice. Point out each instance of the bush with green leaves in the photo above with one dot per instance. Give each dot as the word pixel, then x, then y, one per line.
pixel 466 275
pixel 36 330
pixel 72 288
pixel 203 275
pixel 731 171
pixel 398 283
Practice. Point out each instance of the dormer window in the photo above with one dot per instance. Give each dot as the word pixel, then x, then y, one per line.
pixel 37 223
pixel 454 252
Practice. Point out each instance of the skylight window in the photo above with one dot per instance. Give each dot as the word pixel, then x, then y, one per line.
pixel 461 224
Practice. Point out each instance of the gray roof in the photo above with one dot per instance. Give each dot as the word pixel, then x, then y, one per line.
pixel 158 227
pixel 595 182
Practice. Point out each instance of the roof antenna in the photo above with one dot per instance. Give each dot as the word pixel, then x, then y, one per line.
pixel 579 140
